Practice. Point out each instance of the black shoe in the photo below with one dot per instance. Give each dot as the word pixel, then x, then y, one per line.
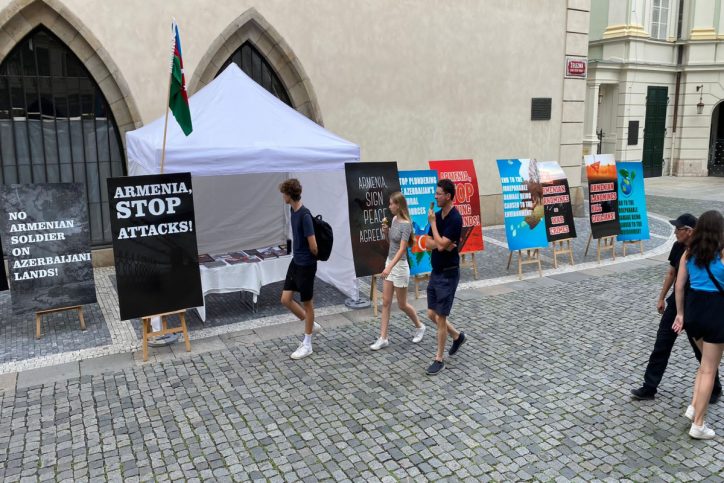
pixel 642 394
pixel 457 343
pixel 715 396
pixel 435 368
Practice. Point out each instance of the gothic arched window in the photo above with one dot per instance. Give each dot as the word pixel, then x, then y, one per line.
pixel 56 125
pixel 253 63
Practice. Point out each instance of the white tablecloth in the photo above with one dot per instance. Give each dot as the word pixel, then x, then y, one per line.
pixel 247 277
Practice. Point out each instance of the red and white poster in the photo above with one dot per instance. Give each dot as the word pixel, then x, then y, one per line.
pixel 467 200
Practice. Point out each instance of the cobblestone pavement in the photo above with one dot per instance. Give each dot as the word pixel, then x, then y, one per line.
pixel 539 391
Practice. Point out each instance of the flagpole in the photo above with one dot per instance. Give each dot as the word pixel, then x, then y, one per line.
pixel 168 95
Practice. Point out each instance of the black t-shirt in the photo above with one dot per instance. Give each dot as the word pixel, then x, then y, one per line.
pixel 677 251
pixel 450 227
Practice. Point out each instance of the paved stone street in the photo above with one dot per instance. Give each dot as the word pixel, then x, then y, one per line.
pixel 540 391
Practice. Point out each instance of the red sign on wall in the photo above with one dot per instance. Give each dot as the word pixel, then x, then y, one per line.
pixel 576 67
pixel 467 200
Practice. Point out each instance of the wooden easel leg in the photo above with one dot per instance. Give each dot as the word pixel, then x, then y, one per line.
pixel 612 241
pixel 510 258
pixel 417 288
pixel 520 265
pixel 588 244
pixel 598 250
pixel 373 295
pixel 37 326
pixel 82 319
pixel 540 270
pixel 570 251
pixel 555 255
pixel 144 329
pixel 182 316
pixel 475 266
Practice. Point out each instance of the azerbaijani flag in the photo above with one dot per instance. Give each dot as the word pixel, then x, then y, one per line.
pixel 178 100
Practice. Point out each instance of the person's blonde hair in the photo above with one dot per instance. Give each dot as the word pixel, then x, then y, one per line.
pixel 404 213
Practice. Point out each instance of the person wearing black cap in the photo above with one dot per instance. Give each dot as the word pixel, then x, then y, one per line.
pixel 665 336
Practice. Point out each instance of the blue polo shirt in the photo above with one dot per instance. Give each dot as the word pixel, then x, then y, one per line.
pixel 450 227
pixel 302 227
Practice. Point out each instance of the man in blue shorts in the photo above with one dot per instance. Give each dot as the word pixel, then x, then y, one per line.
pixel 443 239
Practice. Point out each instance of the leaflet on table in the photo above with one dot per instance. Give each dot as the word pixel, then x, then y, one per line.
pixel 205 258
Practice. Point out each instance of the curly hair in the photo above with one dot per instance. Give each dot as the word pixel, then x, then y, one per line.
pixel 707 240
pixel 292 188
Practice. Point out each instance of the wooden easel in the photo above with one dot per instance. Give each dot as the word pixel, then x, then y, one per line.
pixel 603 244
pixel 559 249
pixel 40 313
pixel 640 243
pixel 147 331
pixel 469 263
pixel 373 293
pixel 532 255
pixel 419 278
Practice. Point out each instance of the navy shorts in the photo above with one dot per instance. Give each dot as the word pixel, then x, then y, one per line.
pixel 441 291
pixel 300 278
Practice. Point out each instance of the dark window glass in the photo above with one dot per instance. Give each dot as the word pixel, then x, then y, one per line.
pixel 56 126
pixel 253 63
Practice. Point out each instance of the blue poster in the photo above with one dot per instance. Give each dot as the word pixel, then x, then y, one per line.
pixel 632 201
pixel 418 187
pixel 523 208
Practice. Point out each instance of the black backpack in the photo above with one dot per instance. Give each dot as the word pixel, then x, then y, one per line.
pixel 325 237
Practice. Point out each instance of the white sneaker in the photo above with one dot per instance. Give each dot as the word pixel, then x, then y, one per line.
pixel 689 414
pixel 380 344
pixel 317 329
pixel 701 432
pixel 302 351
pixel 418 334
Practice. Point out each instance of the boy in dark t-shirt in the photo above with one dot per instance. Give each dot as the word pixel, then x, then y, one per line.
pixel 443 238
pixel 303 267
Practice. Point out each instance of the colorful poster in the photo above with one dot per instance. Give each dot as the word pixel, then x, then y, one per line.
pixel 632 201
pixel 557 201
pixel 523 209
pixel 154 244
pixel 46 238
pixel 369 186
pixel 419 190
pixel 602 195
pixel 467 200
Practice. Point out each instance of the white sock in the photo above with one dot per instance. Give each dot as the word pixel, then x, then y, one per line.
pixel 308 340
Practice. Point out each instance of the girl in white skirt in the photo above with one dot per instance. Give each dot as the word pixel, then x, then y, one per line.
pixel 397 272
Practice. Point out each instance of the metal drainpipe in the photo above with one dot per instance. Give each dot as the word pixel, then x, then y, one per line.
pixel 679 60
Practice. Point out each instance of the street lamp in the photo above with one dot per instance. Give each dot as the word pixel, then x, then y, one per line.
pixel 700 104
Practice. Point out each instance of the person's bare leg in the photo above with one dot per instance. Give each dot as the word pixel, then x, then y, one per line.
pixel 452 331
pixel 441 336
pixel 291 304
pixel 387 289
pixel 401 293
pixel 700 344
pixel 710 360
pixel 308 316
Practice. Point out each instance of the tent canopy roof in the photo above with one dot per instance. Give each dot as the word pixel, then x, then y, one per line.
pixel 238 127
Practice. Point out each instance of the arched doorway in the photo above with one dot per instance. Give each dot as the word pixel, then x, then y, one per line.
pixel 716 145
pixel 56 125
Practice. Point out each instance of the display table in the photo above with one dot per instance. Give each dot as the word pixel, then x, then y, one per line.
pixel 242 277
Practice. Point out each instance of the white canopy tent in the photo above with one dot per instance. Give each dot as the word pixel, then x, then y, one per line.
pixel 244 143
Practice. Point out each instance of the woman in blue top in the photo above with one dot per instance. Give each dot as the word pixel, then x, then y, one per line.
pixel 703 312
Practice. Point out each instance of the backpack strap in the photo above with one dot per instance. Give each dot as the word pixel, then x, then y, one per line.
pixel 711 276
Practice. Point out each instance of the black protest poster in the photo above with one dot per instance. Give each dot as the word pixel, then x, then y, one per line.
pixel 603 195
pixel 369 186
pixel 46 238
pixel 154 244
pixel 558 210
